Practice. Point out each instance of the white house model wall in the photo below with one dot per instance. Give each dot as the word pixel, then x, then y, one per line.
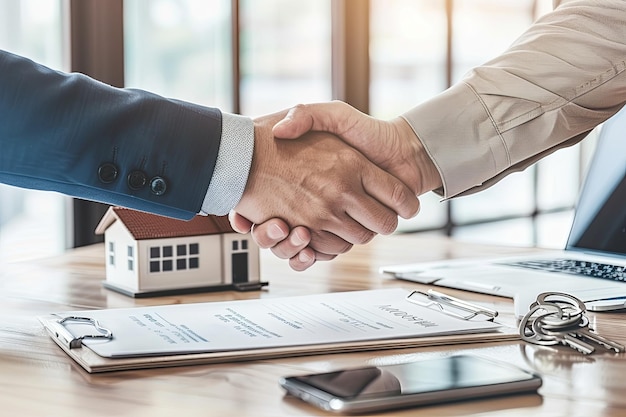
pixel 161 264
pixel 175 267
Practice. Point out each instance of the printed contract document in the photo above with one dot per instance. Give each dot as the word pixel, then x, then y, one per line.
pixel 272 323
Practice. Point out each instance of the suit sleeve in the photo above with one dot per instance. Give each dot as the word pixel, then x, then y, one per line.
pixel 565 75
pixel 71 134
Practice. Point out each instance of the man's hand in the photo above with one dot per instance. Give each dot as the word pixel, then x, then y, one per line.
pixel 285 243
pixel 392 145
pixel 321 183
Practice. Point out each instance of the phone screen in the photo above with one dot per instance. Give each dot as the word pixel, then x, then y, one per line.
pixel 424 380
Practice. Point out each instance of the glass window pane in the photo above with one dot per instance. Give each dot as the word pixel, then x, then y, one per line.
pixel 285 54
pixel 34 29
pixel 515 232
pixel 167 265
pixel 553 229
pixel 542 7
pixel 482 29
pixel 433 214
pixel 557 174
pixel 180 49
pixel 512 196
pixel 407 54
pixel 407 66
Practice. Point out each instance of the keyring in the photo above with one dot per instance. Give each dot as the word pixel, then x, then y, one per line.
pixel 572 309
pixel 574 302
pixel 534 336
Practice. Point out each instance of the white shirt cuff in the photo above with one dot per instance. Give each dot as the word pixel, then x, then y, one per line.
pixel 232 166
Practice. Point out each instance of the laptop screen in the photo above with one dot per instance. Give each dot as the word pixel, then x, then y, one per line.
pixel 600 219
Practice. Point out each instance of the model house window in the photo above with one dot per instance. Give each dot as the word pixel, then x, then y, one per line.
pixel 167 265
pixel 174 257
pixel 243 244
pixel 155 255
pixel 194 263
pixel 131 258
pixel 166 262
pixel 194 259
pixel 112 253
pixel 237 244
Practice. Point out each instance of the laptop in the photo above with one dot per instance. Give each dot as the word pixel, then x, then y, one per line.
pixel 592 266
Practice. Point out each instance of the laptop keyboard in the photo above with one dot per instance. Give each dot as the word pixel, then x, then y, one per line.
pixel 571 266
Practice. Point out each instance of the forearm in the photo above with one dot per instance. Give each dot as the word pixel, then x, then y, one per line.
pixel 57 130
pixel 559 80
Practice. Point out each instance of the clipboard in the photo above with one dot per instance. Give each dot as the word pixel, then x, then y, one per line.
pixel 99 328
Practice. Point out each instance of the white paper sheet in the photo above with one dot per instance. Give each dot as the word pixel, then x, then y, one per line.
pixel 267 323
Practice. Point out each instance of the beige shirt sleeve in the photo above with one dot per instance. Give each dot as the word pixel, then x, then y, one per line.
pixel 561 78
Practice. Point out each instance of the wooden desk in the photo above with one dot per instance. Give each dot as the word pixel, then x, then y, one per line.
pixel 38 379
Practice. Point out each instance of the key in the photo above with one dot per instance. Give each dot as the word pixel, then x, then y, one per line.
pixel 575 343
pixel 550 337
pixel 586 333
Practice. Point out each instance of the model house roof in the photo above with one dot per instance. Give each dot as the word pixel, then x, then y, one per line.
pixel 150 226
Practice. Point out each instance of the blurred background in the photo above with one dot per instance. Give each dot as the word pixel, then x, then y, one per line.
pixel 261 56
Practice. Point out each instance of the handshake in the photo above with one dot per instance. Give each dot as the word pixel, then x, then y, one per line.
pixel 325 177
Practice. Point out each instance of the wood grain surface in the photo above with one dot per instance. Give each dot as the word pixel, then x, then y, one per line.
pixel 38 379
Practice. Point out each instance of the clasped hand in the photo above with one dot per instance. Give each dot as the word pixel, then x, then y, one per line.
pixel 345 179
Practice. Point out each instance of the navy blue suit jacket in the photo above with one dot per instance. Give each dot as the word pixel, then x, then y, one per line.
pixel 74 135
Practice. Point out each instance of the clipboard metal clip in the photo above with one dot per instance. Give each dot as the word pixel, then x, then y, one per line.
pixel 451 305
pixel 69 340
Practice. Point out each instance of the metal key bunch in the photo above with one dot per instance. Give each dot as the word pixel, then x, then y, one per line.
pixel 557 318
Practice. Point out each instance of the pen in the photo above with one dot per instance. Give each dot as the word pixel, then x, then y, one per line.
pixel 463 305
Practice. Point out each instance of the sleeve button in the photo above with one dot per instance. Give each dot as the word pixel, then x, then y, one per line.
pixel 158 186
pixel 137 180
pixel 107 173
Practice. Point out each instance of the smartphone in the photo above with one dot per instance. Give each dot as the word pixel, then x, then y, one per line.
pixel 431 381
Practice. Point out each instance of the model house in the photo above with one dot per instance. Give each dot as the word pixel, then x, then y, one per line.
pixel 149 255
